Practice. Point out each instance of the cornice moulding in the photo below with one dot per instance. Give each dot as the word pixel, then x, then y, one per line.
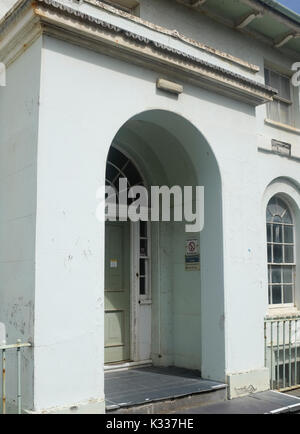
pixel 63 22
pixel 177 35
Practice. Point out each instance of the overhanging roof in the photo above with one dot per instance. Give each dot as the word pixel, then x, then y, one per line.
pixel 266 20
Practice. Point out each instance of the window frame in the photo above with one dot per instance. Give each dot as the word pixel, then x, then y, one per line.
pixel 291 103
pixel 283 264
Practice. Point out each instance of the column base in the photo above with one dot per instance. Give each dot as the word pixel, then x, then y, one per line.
pixel 90 407
pixel 244 383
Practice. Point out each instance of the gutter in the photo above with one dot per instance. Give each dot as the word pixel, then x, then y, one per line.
pixel 283 10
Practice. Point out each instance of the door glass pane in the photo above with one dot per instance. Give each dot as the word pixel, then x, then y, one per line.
pixel 143 267
pixel 143 247
pixel 142 285
pixel 143 229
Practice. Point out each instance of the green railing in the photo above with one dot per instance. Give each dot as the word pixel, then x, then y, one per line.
pixel 282 351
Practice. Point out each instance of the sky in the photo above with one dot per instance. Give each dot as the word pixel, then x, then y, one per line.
pixel 291 4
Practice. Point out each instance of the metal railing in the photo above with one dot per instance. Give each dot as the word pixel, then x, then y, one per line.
pixel 282 352
pixel 3 349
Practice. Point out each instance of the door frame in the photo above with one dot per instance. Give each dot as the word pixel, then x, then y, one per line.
pixel 138 305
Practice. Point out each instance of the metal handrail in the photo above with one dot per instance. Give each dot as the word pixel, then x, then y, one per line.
pixel 5 348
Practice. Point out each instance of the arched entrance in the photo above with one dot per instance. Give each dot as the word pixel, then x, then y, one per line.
pixel 177 323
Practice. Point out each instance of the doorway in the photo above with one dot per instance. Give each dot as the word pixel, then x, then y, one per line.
pixel 127 275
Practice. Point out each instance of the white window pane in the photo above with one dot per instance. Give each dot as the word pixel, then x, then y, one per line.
pixel 278 254
pixel 267 77
pixel 277 233
pixel 284 113
pixel 289 254
pixel 288 275
pixel 273 111
pixel 288 234
pixel 270 253
pixel 269 233
pixel 276 295
pixel 285 89
pixel 288 294
pixel 275 80
pixel 276 275
pixel 270 295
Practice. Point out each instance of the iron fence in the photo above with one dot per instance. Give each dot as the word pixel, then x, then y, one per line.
pixel 282 352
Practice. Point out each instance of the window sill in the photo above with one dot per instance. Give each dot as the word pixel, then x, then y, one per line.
pixel 282 126
pixel 282 313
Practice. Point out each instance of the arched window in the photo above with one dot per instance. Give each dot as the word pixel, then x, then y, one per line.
pixel 119 166
pixel 281 253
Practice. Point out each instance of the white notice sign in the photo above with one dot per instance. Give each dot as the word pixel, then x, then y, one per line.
pixel 113 263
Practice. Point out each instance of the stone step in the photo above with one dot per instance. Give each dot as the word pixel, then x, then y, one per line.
pixel 173 405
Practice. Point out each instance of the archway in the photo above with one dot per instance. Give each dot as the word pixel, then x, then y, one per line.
pixel 171 324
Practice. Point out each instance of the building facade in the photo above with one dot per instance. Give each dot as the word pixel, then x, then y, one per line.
pixel 167 93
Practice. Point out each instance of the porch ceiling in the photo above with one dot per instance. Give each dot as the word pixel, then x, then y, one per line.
pixel 266 20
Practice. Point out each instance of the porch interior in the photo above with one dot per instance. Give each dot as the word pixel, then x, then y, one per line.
pixel 159 389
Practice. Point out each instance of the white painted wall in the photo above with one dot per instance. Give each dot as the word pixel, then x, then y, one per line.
pixel 71 164
pixel 19 106
pixel 84 99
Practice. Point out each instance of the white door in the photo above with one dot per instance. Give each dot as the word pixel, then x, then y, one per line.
pixel 141 297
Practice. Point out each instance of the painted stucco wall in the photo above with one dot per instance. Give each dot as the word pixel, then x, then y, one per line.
pixel 85 98
pixel 72 164
pixel 19 108
pixel 201 28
